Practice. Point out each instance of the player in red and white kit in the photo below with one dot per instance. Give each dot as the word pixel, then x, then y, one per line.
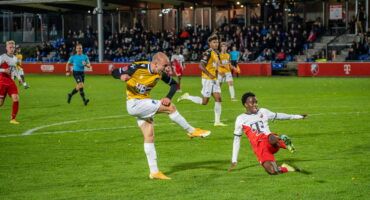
pixel 8 63
pixel 254 123
pixel 177 61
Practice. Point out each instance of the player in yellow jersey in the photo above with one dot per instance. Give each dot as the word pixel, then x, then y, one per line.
pixel 224 70
pixel 19 67
pixel 209 66
pixel 141 78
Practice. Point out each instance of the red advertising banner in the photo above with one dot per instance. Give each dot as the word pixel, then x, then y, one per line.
pixel 334 69
pixel 191 69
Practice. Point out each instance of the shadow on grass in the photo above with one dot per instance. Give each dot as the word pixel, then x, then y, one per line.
pixel 216 165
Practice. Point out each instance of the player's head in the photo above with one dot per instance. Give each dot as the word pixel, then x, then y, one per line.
pixel 223 47
pixel 213 41
pixel 10 47
pixel 234 48
pixel 249 101
pixel 79 49
pixel 160 62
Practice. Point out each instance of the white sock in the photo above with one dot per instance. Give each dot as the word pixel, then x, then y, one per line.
pixel 180 120
pixel 232 91
pixel 151 156
pixel 195 99
pixel 217 112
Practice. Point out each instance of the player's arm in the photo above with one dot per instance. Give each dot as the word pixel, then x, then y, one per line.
pixel 123 73
pixel 68 64
pixel 87 63
pixel 4 69
pixel 284 116
pixel 173 87
pixel 203 64
pixel 236 145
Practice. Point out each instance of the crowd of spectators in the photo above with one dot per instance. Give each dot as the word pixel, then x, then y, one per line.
pixel 266 42
pixel 360 49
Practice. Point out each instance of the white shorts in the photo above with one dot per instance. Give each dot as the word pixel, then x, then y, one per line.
pixel 227 77
pixel 209 87
pixel 142 108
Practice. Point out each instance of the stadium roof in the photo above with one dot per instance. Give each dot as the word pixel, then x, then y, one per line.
pixel 84 5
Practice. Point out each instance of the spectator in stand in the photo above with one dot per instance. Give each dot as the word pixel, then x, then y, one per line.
pixel 280 56
pixel 360 20
pixel 247 56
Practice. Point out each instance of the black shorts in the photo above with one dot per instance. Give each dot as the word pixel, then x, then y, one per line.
pixel 234 63
pixel 79 76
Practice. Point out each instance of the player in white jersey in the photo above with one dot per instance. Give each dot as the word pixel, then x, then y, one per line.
pixel 254 123
pixel 8 63
pixel 178 61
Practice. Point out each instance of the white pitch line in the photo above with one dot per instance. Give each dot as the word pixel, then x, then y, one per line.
pixel 30 131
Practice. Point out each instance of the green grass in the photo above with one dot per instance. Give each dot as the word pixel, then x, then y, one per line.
pixel 101 157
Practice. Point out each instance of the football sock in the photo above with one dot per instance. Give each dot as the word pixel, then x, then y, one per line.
pixel 282 144
pixel 22 78
pixel 151 156
pixel 82 93
pixel 283 170
pixel 74 91
pixel 217 110
pixel 195 99
pixel 180 120
pixel 15 109
pixel 232 91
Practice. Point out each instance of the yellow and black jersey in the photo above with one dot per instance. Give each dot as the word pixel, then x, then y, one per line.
pixel 211 60
pixel 142 80
pixel 224 63
pixel 19 62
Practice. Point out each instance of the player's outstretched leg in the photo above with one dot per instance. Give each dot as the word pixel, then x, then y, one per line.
pixel 194 99
pixel 176 117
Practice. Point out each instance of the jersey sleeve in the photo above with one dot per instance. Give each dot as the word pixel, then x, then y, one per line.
pixel 117 73
pixel 281 116
pixel 270 115
pixel 238 130
pixel 206 56
pixel 70 60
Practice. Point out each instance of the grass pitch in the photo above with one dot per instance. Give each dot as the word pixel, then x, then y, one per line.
pixel 96 152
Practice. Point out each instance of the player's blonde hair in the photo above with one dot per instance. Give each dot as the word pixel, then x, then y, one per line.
pixel 9 42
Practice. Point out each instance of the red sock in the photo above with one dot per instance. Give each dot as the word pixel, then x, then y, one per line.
pixel 15 109
pixel 282 144
pixel 283 169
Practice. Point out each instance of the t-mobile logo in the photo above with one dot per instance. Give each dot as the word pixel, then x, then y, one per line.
pixel 347 69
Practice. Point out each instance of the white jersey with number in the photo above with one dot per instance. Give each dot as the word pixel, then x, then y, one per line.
pixel 259 121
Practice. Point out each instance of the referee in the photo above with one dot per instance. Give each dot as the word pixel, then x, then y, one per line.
pixel 78 61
